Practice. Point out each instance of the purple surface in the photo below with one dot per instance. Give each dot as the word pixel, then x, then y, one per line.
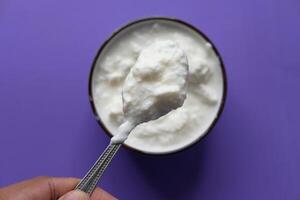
pixel 47 126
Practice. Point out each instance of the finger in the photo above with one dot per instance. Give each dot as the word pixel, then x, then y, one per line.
pixel 60 186
pixel 75 195
pixel 100 194
pixel 46 188
pixel 29 189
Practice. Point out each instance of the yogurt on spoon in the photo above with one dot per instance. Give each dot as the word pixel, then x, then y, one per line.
pixel 155 85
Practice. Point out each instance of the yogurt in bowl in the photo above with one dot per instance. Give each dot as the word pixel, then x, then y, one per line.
pixel 206 86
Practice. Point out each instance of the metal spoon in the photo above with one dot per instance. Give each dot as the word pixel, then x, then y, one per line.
pixel 90 180
pixel 135 111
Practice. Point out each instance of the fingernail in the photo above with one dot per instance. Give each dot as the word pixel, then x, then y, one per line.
pixel 75 195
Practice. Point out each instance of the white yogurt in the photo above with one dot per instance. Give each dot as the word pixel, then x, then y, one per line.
pixel 155 85
pixel 180 127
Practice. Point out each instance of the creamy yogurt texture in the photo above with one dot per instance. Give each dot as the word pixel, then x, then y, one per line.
pixel 205 88
pixel 155 85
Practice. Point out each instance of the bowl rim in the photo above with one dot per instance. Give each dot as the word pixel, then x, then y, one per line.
pixel 174 20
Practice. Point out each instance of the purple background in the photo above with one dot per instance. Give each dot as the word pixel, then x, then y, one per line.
pixel 47 126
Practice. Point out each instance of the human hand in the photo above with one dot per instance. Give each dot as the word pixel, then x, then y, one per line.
pixel 50 188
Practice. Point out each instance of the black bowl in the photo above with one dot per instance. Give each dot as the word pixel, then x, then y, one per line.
pixel 158 19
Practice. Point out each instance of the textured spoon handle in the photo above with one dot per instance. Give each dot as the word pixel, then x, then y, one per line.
pixel 90 180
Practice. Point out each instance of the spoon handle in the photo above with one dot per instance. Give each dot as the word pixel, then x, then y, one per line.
pixel 90 180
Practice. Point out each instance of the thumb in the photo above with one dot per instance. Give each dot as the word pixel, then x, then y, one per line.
pixel 75 195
